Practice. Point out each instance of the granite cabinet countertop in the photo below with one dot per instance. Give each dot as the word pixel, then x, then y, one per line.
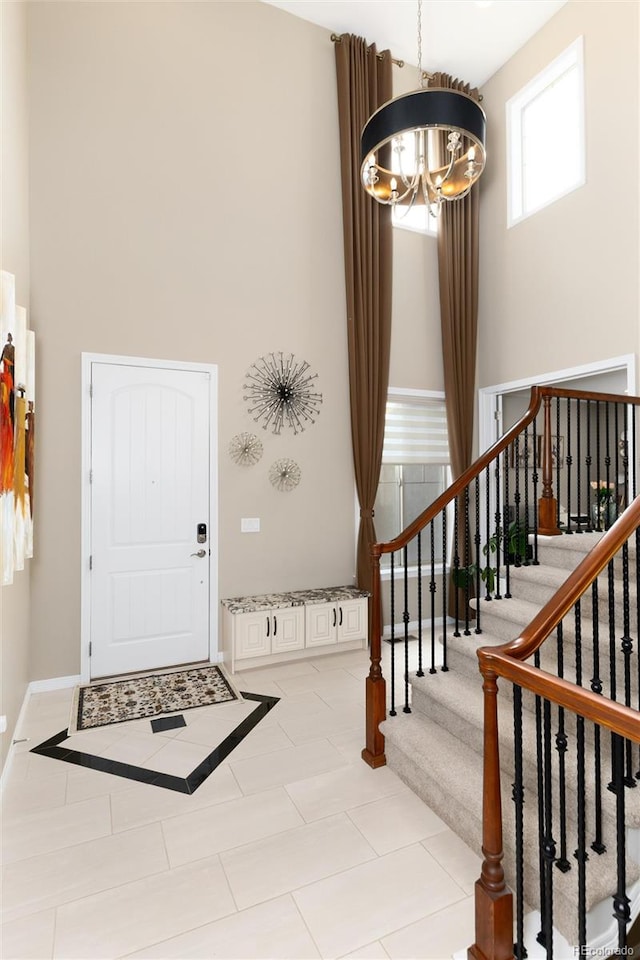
pixel 297 598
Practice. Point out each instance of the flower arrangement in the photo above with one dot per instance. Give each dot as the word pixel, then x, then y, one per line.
pixel 604 490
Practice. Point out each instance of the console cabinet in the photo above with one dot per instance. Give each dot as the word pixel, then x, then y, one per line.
pixel 276 627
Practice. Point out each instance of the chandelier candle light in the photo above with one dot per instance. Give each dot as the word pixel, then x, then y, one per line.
pixel 434 138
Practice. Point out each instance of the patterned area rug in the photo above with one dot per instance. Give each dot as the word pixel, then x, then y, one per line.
pixel 149 695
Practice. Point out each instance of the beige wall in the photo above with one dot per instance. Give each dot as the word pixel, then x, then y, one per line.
pixel 186 205
pixel 179 156
pixel 560 289
pixel 14 599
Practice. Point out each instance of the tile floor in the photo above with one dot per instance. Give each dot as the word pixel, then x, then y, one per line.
pixel 291 848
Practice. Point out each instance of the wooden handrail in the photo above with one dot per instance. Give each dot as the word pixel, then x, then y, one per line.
pixel 373 753
pixel 576 584
pixel 476 468
pixel 494 927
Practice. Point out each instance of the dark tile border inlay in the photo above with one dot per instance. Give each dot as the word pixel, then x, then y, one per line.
pixel 168 723
pixel 53 748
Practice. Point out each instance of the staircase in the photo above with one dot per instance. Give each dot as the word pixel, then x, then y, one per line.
pixel 524 734
pixel 437 749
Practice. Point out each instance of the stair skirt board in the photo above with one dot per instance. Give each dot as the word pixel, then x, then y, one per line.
pixel 446 722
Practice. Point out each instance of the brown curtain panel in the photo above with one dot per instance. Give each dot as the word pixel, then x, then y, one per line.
pixel 364 84
pixel 458 277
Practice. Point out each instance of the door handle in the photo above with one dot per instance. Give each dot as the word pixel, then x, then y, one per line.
pixel 200 553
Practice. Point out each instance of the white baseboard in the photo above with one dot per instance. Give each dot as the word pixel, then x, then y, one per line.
pixel 53 683
pixel 36 686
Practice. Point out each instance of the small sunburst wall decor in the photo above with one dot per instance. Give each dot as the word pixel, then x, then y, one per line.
pixel 285 474
pixel 280 393
pixel 245 449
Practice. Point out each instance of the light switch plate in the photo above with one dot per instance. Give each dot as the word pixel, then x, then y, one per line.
pixel 250 525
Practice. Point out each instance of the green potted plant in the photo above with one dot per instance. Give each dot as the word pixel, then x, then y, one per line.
pixel 516 547
pixel 603 511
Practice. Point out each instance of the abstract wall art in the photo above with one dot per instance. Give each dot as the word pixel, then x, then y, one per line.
pixel 17 432
pixel 281 393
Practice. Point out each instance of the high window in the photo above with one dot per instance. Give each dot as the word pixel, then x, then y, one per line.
pixel 545 136
pixel 415 470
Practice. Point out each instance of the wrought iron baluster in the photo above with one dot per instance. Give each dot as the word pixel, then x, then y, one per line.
pixel 467 561
pixel 498 519
pixel 557 461
pixel 623 443
pixel 612 651
pixel 541 938
pixel 456 569
pixel 634 449
pixel 548 843
pixel 596 686
pixel 535 479
pixel 405 621
pixel 562 863
pixel 445 554
pixel 519 949
pixel 581 854
pixel 488 526
pixel 626 645
pixel 476 540
pixel 526 496
pixel 502 543
pixel 392 588
pixel 607 459
pixel 569 461
pixel 420 671
pixel 621 901
pixel 578 624
pixel 432 590
pixel 516 518
pixel 616 449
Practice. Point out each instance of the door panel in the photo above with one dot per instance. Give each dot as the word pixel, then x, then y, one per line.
pixel 150 490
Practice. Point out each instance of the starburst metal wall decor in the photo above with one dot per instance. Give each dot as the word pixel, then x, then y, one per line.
pixel 285 474
pixel 245 449
pixel 280 393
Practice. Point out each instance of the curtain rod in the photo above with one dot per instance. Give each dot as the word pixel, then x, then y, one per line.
pixel 337 37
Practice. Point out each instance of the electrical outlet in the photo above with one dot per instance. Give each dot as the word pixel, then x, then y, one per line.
pixel 3 724
pixel 250 525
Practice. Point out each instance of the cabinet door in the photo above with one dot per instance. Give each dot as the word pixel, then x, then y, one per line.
pixel 322 619
pixel 352 620
pixel 252 634
pixel 287 631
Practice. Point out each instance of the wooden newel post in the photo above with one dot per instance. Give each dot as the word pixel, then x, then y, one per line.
pixel 494 900
pixel 376 688
pixel 547 506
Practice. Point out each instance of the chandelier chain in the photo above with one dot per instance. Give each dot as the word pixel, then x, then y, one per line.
pixel 420 43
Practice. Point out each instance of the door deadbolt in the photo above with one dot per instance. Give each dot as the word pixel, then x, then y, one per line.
pixel 202 533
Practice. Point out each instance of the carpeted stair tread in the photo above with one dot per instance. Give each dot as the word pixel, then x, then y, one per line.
pixel 457 703
pixel 437 749
pixel 447 774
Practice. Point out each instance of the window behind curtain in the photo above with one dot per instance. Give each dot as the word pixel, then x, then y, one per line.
pixel 415 470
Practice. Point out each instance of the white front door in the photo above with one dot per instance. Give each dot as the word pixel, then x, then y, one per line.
pixel 150 523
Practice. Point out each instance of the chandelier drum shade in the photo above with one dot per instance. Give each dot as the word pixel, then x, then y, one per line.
pixel 412 130
pixel 423 147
